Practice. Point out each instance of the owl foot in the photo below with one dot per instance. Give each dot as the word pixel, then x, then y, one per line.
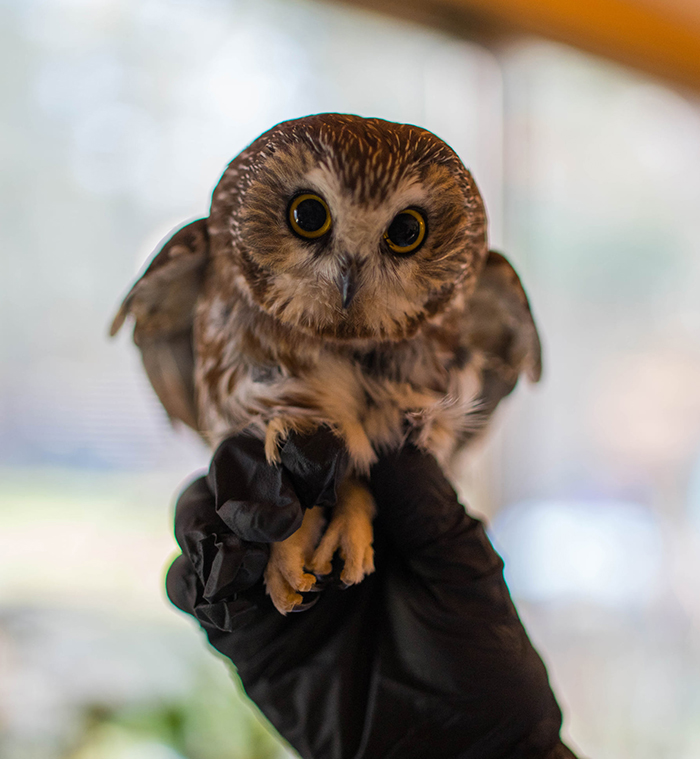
pixel 349 533
pixel 285 575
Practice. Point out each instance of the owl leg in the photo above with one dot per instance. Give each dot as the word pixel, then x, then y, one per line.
pixel 349 533
pixel 285 575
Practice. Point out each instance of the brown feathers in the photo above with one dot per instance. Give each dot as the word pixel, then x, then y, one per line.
pixel 241 323
pixel 162 303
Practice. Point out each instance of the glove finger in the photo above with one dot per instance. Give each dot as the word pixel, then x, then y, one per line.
pixel 194 511
pixel 184 591
pixel 316 464
pixel 181 584
pixel 254 499
pixel 224 563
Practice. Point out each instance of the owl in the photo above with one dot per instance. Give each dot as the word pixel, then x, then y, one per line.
pixel 342 278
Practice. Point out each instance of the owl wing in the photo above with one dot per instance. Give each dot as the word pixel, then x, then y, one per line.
pixel 162 303
pixel 500 327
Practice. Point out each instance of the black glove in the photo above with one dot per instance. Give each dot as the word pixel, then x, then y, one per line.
pixel 425 659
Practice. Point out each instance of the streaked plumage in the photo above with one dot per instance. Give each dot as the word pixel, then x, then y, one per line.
pixel 243 324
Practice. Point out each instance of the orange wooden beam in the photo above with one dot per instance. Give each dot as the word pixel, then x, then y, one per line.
pixel 661 37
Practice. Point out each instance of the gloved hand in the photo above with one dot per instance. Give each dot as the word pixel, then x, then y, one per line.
pixel 425 659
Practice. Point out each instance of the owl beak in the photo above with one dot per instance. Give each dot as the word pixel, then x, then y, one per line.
pixel 348 284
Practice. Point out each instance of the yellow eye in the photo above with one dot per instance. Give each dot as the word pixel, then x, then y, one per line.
pixel 406 232
pixel 309 216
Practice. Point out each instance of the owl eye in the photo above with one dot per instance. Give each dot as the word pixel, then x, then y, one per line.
pixel 309 216
pixel 406 232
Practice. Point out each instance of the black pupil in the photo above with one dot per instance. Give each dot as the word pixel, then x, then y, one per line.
pixel 404 230
pixel 310 215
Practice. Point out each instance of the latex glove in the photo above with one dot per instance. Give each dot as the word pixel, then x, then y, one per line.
pixel 426 658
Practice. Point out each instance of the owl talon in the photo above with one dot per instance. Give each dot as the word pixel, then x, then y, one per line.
pixel 286 577
pixel 322 582
pixel 321 567
pixel 321 562
pixel 305 606
pixel 349 534
pixel 285 584
pixel 354 549
pixel 358 566
pixel 281 593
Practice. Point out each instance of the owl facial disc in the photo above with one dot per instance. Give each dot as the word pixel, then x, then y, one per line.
pixel 349 228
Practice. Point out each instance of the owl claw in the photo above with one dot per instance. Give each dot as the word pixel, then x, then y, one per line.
pixel 350 534
pixel 285 575
pixel 321 565
pixel 354 548
pixel 306 605
pixel 285 581
pixel 358 567
pixel 281 593
pixel 301 563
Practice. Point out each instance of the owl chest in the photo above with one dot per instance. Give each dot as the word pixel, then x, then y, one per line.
pixel 374 399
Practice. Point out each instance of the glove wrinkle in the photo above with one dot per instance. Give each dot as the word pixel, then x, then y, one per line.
pixel 254 499
pixel 224 564
pixel 235 567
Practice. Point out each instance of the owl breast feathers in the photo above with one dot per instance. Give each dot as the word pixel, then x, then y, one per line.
pixel 342 278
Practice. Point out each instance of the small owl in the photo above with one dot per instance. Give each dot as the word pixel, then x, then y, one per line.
pixel 342 278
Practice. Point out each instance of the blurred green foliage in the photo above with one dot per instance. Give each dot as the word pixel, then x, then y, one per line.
pixel 214 721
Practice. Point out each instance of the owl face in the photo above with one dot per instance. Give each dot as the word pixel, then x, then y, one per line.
pixel 351 228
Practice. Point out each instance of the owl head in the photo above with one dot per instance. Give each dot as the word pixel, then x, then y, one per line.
pixel 348 228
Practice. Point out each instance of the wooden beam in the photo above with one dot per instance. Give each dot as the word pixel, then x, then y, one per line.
pixel 659 37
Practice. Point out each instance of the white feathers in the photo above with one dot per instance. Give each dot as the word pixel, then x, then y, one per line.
pixel 371 415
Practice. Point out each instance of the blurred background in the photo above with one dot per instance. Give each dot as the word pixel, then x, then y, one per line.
pixel 583 132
